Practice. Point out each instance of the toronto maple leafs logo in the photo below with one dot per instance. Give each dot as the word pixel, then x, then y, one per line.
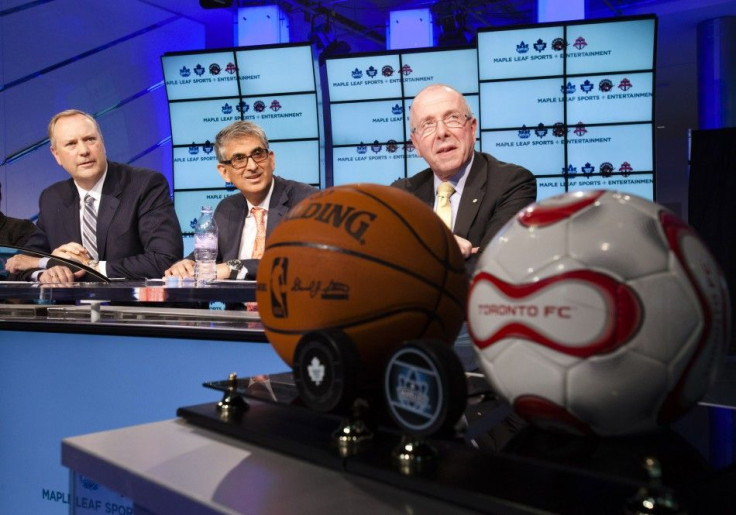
pixel 208 147
pixel 199 70
pixel 242 107
pixel 376 147
pixel 587 86
pixel 88 484
pixel 540 131
pixel 540 45
pixel 371 72
pixel 316 371
pixel 588 169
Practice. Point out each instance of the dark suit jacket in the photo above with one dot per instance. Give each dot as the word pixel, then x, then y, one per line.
pixel 138 233
pixel 494 192
pixel 15 231
pixel 231 212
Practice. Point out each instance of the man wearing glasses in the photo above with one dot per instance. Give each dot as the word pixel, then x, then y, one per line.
pixel 245 160
pixel 475 193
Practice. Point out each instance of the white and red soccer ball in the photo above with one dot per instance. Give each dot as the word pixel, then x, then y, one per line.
pixel 598 312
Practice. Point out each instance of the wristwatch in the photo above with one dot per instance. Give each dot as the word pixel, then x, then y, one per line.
pixel 235 265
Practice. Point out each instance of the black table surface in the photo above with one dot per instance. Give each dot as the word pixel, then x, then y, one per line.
pixel 496 462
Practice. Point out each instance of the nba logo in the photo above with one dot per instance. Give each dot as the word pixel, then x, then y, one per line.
pixel 278 287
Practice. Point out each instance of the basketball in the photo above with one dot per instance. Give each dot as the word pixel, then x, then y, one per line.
pixel 371 261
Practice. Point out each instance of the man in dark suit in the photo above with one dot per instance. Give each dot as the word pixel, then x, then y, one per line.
pixel 485 192
pixel 137 231
pixel 14 231
pixel 246 161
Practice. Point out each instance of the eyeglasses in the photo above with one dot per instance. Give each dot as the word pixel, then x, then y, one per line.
pixel 451 121
pixel 258 155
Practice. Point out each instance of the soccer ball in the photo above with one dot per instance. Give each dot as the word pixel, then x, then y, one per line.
pixel 598 312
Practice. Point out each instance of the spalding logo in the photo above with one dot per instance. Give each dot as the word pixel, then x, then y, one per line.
pixel 354 222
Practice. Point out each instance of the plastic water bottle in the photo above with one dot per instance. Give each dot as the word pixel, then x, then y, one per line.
pixel 205 247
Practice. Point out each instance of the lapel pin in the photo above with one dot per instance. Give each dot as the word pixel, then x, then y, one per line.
pixel 475 200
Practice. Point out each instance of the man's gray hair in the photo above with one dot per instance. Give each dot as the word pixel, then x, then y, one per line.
pixel 236 130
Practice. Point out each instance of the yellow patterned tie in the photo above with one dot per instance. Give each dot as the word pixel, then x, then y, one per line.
pixel 444 208
pixel 260 244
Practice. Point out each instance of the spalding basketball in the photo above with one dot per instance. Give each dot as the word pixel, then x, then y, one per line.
pixel 369 260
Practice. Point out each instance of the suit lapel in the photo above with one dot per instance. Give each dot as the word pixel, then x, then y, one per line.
pixel 232 232
pixel 278 206
pixel 111 193
pixel 425 189
pixel 473 193
pixel 70 211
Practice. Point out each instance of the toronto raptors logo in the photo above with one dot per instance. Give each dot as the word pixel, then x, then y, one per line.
pixel 387 71
pixel 214 69
pixel 606 169
pixel 558 44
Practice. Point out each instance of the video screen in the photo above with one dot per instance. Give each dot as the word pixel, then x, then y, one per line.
pixel 368 134
pixel 572 102
pixel 209 90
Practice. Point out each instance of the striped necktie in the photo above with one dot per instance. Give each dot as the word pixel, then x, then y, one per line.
pixel 444 208
pixel 89 227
